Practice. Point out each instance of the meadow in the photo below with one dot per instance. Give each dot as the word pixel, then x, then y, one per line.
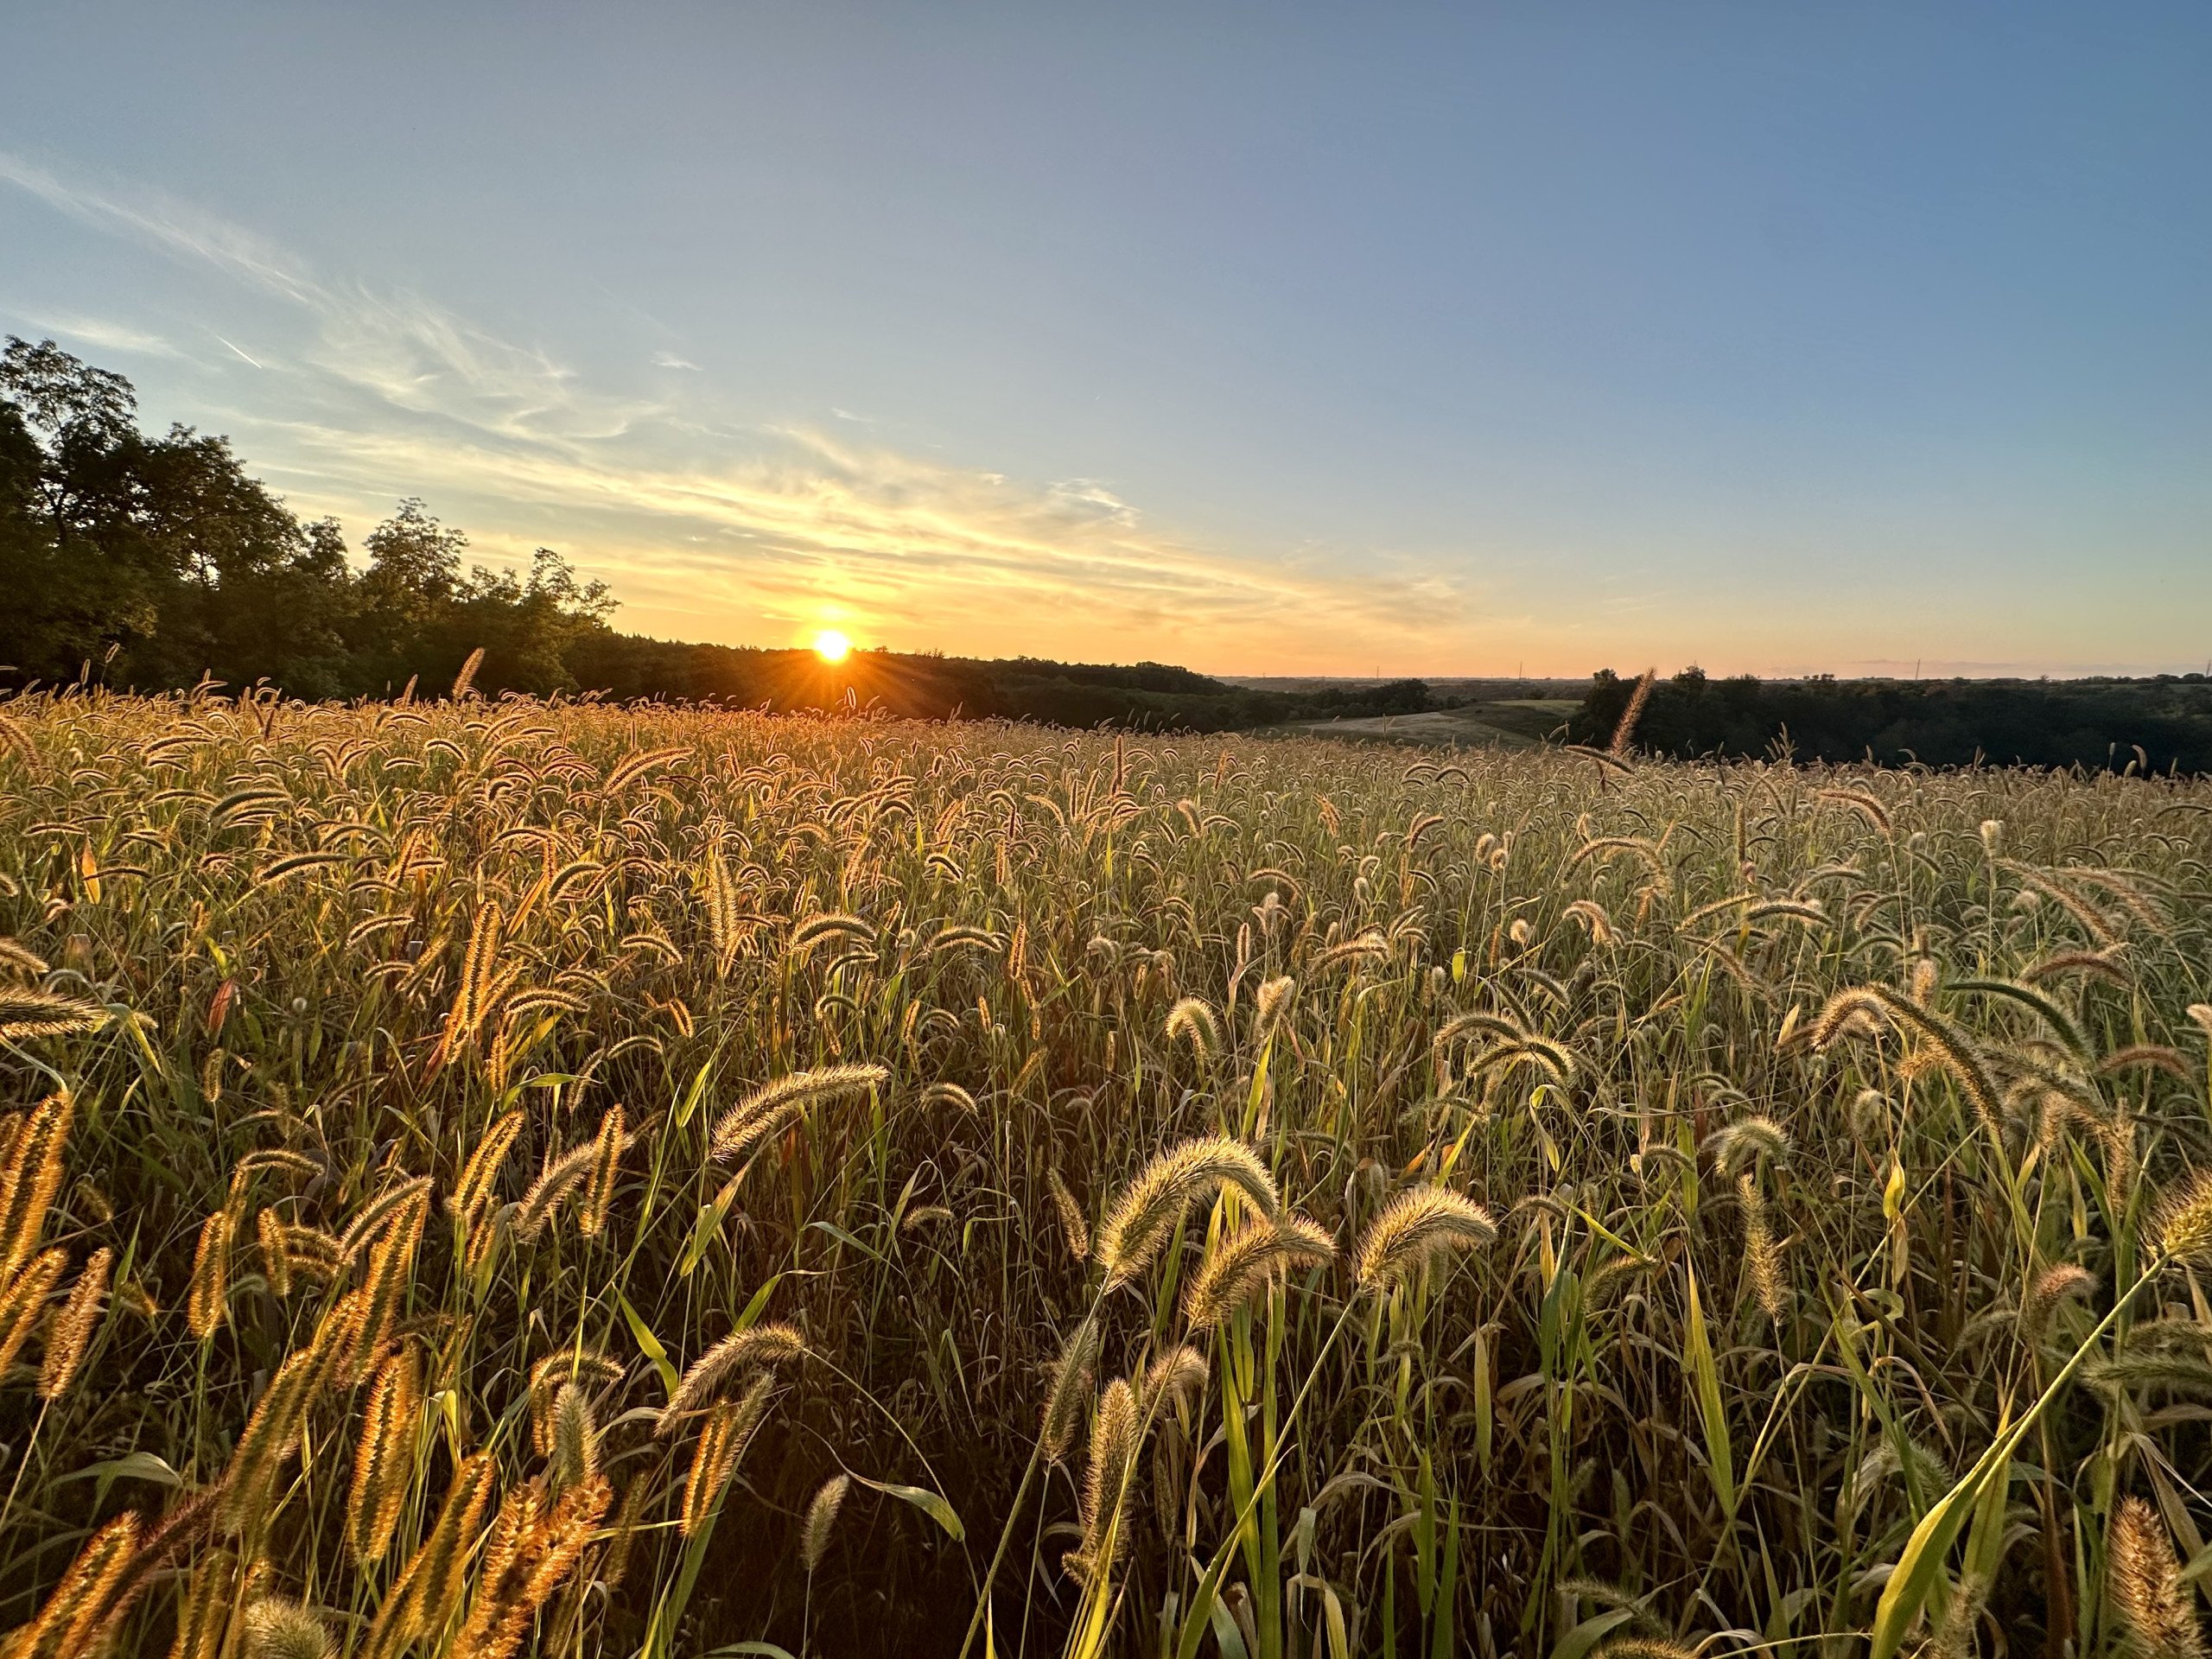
pixel 503 1177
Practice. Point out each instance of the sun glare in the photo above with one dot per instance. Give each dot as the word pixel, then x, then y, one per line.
pixel 832 647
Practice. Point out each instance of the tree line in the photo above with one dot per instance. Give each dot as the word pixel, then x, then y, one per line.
pixel 151 563
pixel 2153 725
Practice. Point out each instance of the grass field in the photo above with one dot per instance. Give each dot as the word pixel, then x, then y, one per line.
pixel 1502 724
pixel 502 1178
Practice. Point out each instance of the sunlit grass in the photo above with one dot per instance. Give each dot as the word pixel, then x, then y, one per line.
pixel 564 1179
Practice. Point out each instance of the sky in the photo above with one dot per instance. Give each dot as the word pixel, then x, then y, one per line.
pixel 1863 338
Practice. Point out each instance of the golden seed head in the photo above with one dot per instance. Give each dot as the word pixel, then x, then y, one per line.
pixel 208 1298
pixel 1152 1206
pixel 1239 1265
pixel 279 1628
pixel 1748 1140
pixel 1194 1020
pixel 2052 1287
pixel 1073 1223
pixel 1417 1227
pixel 28 1014
pixel 73 1328
pixel 822 1519
pixel 773 1105
pixel 1175 1378
pixel 2183 1228
pixel 761 1346
pixel 1114 1435
pixel 1070 1391
pixel 1268 1006
pixel 29 1176
pixel 2146 1585
pixel 575 1456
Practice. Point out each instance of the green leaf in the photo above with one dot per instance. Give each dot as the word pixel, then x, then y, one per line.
pixel 135 1466
pixel 1720 1463
pixel 844 1238
pixel 706 1229
pixel 1578 1642
pixel 1914 1573
pixel 1226 1631
pixel 649 1345
pixel 759 1304
pixel 684 1108
pixel 929 1503
pixel 1441 1645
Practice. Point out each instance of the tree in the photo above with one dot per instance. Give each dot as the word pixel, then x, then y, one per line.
pixel 161 559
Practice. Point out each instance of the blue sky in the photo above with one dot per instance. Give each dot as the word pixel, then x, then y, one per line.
pixel 1261 337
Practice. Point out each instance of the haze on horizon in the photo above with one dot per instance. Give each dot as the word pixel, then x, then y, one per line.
pixel 1268 340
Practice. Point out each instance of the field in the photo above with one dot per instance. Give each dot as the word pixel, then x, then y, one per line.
pixel 1472 713
pixel 1502 724
pixel 503 1177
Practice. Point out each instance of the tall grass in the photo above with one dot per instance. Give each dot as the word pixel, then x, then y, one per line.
pixel 488 1178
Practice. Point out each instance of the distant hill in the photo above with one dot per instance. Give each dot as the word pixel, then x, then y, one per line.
pixel 1142 695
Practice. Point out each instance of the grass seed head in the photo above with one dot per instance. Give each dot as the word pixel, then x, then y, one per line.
pixel 2183 1228
pixel 383 1458
pixel 773 1105
pixel 1417 1227
pixel 760 1346
pixel 26 1014
pixel 2052 1287
pixel 30 1176
pixel 575 1458
pixel 2158 1610
pixel 73 1328
pixel 279 1628
pixel 1192 1019
pixel 1748 1140
pixel 69 1622
pixel 1069 1392
pixel 1073 1224
pixel 22 1304
pixel 1174 1379
pixel 1238 1266
pixel 822 1519
pixel 208 1299
pixel 1152 1206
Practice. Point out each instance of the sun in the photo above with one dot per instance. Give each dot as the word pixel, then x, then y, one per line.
pixel 832 647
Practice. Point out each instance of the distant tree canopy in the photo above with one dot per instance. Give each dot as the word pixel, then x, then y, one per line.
pixel 2097 723
pixel 149 562
pixel 157 560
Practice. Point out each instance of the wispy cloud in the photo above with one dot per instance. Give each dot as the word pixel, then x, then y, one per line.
pixel 163 222
pixel 241 353
pixel 670 361
pixel 102 335
pixel 918 548
pixel 737 526
pixel 407 351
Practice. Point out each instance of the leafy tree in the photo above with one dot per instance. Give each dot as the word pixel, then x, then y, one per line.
pixel 154 560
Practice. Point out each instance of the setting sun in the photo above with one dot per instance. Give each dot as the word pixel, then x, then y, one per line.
pixel 832 647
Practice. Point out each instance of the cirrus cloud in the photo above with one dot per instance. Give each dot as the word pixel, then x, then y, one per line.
pixel 715 527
